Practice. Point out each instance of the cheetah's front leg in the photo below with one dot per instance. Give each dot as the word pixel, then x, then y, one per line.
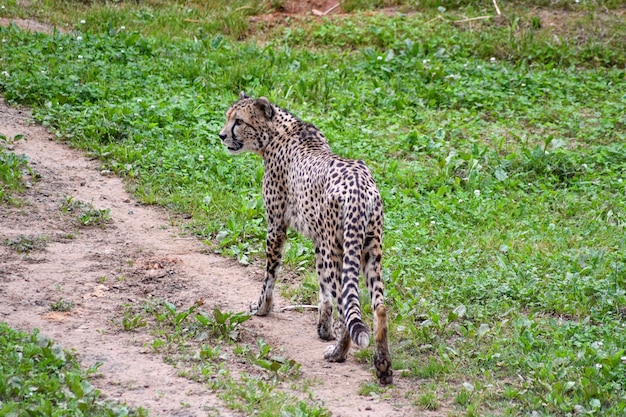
pixel 275 241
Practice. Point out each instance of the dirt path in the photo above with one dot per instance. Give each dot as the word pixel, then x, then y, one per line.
pixel 137 256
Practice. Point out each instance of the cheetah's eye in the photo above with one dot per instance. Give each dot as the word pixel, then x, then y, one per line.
pixel 238 122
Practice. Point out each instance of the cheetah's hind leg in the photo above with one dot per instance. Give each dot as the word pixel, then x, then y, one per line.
pixel 325 318
pixel 325 311
pixel 339 351
pixel 325 323
pixel 382 358
pixel 372 271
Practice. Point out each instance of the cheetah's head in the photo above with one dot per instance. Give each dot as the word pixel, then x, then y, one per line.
pixel 248 125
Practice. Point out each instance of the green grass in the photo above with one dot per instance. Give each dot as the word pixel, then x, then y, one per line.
pixel 61 305
pixel 498 148
pixel 85 214
pixel 13 167
pixel 27 244
pixel 39 378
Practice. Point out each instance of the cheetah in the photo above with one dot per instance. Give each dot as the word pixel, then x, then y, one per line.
pixel 331 200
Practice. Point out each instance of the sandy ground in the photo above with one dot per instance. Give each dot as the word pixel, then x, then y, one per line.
pixel 140 255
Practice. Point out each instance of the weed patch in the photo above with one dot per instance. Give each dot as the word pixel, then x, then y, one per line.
pixel 27 244
pixel 84 213
pixel 12 169
pixel 38 377
pixel 204 345
pixel 61 305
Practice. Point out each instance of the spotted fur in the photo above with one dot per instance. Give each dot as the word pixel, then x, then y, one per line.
pixel 332 200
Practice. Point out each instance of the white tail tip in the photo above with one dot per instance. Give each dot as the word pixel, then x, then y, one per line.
pixel 363 340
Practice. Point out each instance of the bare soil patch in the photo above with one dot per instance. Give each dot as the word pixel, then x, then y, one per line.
pixel 296 10
pixel 311 6
pixel 140 255
pixel 30 25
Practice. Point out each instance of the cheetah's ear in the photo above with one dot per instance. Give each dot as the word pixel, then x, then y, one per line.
pixel 243 95
pixel 264 105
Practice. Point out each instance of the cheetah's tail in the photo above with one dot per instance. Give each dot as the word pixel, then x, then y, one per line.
pixel 359 335
pixel 353 244
pixel 352 314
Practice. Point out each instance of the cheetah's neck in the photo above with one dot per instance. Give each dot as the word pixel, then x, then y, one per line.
pixel 285 123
